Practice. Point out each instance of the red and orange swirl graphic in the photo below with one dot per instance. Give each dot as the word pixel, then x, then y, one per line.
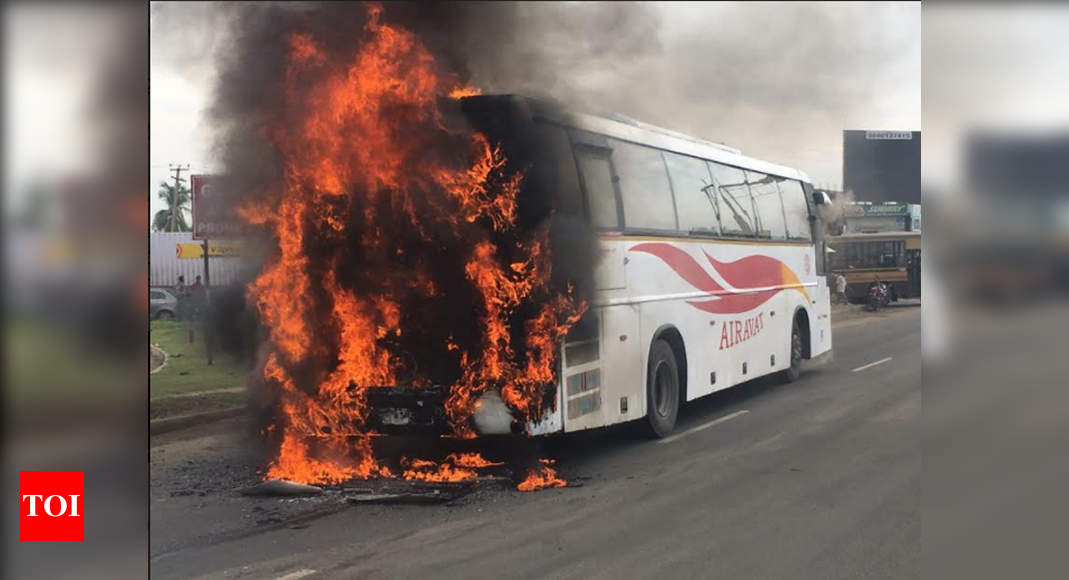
pixel 752 279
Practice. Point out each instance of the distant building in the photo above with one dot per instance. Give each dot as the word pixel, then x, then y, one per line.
pixel 882 165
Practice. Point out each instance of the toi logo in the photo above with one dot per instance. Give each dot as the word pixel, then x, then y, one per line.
pixel 51 506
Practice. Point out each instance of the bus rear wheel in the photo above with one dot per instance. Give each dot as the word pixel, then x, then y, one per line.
pixel 791 373
pixel 662 390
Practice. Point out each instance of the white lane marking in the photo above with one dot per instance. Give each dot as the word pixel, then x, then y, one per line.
pixel 297 574
pixel 871 364
pixel 702 427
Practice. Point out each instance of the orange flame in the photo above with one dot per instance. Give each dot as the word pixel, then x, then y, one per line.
pixel 455 467
pixel 473 460
pixel 541 477
pixel 295 464
pixel 353 161
pixel 461 92
pixel 423 470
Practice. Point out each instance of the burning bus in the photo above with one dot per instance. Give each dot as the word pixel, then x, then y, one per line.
pixel 464 264
pixel 698 249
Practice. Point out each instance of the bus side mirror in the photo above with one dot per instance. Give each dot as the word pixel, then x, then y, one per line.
pixel 821 198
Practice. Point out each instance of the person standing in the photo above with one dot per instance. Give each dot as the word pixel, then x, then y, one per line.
pixel 197 295
pixel 840 288
pixel 196 290
pixel 181 292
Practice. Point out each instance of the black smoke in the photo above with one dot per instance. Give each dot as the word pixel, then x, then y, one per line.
pixel 500 47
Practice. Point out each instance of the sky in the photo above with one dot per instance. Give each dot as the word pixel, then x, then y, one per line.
pixel 779 81
pixel 181 72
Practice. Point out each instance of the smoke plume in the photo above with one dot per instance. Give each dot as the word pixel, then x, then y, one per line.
pixel 497 47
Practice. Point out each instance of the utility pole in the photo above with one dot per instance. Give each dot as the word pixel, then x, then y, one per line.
pixel 209 338
pixel 178 168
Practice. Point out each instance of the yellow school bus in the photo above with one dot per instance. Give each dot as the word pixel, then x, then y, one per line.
pixel 893 257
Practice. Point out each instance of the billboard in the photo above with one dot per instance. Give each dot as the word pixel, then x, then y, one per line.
pixel 882 165
pixel 868 217
pixel 195 250
pixel 213 217
pixel 168 259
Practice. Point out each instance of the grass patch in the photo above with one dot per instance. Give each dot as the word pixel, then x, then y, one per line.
pixel 187 369
pixel 195 404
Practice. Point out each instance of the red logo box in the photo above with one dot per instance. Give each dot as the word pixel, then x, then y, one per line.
pixel 51 506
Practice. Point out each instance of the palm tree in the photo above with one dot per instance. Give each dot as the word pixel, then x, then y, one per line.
pixel 177 198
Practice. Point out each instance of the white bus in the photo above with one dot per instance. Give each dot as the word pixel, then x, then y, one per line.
pixel 709 275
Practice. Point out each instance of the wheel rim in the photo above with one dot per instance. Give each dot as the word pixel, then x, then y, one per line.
pixel 662 389
pixel 796 349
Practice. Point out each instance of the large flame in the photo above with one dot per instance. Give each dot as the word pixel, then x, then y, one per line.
pixel 376 182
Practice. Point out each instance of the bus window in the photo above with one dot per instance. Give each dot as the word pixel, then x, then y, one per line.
pixel 644 186
pixel 694 198
pixel 596 173
pixel 767 204
pixel 891 255
pixel 561 162
pixel 869 254
pixel 733 196
pixel 838 259
pixel 796 210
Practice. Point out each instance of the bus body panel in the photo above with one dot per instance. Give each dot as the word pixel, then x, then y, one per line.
pixel 820 319
pixel 592 391
pixel 858 281
pixel 719 296
pixel 627 371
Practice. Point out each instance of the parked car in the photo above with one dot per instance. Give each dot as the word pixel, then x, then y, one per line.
pixel 162 304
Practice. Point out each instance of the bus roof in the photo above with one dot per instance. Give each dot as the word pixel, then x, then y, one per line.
pixel 627 129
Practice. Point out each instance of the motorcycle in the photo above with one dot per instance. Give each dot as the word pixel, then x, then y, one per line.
pixel 878 296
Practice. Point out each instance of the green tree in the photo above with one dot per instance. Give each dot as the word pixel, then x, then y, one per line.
pixel 178 199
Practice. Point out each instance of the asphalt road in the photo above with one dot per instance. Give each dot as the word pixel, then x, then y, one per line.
pixel 816 479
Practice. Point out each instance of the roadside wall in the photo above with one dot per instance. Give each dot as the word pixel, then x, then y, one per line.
pixel 165 266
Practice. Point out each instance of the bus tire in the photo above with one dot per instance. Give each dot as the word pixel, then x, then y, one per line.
pixel 792 372
pixel 662 390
